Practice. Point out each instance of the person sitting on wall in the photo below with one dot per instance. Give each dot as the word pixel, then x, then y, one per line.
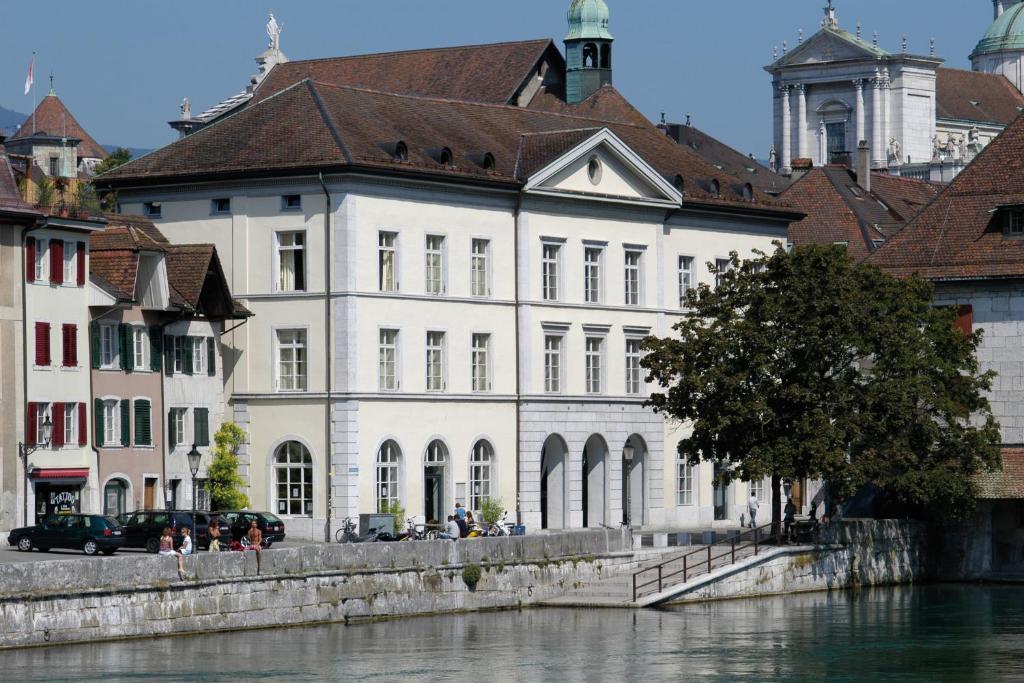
pixel 213 531
pixel 461 522
pixel 255 537
pixel 184 549
pixel 452 531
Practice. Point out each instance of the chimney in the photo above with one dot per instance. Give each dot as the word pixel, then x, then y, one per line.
pixel 864 165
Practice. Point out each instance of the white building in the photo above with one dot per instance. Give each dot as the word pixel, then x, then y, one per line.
pixel 449 292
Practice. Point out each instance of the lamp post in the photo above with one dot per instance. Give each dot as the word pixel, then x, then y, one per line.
pixel 25 450
pixel 168 495
pixel 193 465
pixel 627 461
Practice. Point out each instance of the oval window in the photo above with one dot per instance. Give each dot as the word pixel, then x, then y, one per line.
pixel 594 170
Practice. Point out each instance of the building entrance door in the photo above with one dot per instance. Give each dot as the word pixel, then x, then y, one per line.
pixel 114 498
pixel 149 495
pixel 433 494
pixel 721 499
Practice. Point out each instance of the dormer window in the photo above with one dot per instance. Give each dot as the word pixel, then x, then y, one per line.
pixel 716 189
pixel 401 151
pixel 489 162
pixel 446 157
pixel 1015 222
pixel 679 183
pixel 748 191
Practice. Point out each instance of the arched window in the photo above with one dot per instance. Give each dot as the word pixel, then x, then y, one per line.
pixel 446 157
pixel 489 162
pixel 388 460
pixel 437 454
pixel 748 191
pixel 716 190
pixel 401 151
pixel 606 56
pixel 590 56
pixel 294 470
pixel 679 183
pixel 480 474
pixel 115 495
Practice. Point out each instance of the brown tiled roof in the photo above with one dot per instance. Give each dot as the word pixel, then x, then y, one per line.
pixel 1007 484
pixel 117 269
pixel 537 149
pixel 10 197
pixel 975 96
pixel 959 234
pixel 187 265
pixel 607 104
pixel 720 155
pixel 905 197
pixel 475 73
pixel 53 118
pixel 313 126
pixel 114 252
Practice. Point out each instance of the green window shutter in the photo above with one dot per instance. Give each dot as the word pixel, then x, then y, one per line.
pixel 187 364
pixel 211 356
pixel 171 441
pixel 126 436
pixel 202 426
pixel 125 335
pixel 97 418
pixel 94 344
pixel 169 354
pixel 155 350
pixel 143 432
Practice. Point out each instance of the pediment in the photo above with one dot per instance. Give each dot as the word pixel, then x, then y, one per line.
pixel 829 45
pixel 603 168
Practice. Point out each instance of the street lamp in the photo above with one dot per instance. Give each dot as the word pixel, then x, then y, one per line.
pixel 168 495
pixel 25 450
pixel 627 458
pixel 193 465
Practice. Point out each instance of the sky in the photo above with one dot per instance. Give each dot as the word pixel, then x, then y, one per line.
pixel 123 66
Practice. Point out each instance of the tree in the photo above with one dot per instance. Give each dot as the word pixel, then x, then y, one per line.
pixel 119 157
pixel 804 364
pixel 225 482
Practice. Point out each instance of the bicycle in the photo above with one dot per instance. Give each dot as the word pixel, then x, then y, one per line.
pixel 346 533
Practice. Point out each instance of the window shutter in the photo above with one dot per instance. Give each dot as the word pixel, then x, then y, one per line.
pixel 125 343
pixel 125 423
pixel 30 424
pixel 83 426
pixel 202 426
pixel 965 319
pixel 57 417
pixel 155 350
pixel 172 441
pixel 94 344
pixel 57 262
pixel 187 364
pixel 97 418
pixel 169 354
pixel 70 346
pixel 143 433
pixel 42 343
pixel 30 259
pixel 211 356
pixel 80 263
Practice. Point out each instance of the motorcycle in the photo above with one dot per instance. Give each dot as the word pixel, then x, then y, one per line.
pixel 500 528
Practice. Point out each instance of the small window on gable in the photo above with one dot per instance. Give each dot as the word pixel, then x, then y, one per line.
pixel 595 170
pixel 401 151
pixel 291 202
pixel 445 157
pixel 153 209
pixel 489 162
pixel 220 205
pixel 1015 222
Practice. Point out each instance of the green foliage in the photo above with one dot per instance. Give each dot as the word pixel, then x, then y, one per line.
pixel 119 157
pixel 471 575
pixel 805 364
pixel 85 198
pixel 491 510
pixel 45 192
pixel 226 484
pixel 396 510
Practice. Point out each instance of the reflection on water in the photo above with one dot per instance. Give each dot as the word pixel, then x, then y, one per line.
pixel 941 633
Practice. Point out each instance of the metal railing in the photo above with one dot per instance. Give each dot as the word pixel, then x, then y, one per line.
pixel 701 561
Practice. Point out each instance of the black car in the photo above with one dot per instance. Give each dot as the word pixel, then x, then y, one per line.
pixel 269 524
pixel 90 533
pixel 145 527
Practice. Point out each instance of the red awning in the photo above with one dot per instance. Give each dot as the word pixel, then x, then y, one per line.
pixel 61 474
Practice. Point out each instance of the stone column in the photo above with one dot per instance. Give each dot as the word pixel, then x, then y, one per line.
pixel 858 86
pixel 801 122
pixel 822 145
pixel 877 151
pixel 787 133
pixel 886 123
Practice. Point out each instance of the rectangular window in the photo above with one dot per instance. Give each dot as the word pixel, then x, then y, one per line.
pixel 70 425
pixel 593 364
pixel 435 264
pixel 70 265
pixel 220 205
pixel 291 202
pixel 387 259
pixel 108 346
pixel 388 360
pixel 592 274
pixel 1015 222
pixel 42 412
pixel 179 353
pixel 54 167
pixel 143 423
pixel 291 360
pixel 551 255
pixel 140 346
pixel 633 373
pixel 435 361
pixel 685 278
pixel 198 355
pixel 69 345
pixel 201 426
pixel 291 261
pixel 722 266
pixel 111 431
pixel 41 249
pixel 178 425
pixel 759 489
pixel 153 209
pixel 481 362
pixel 632 276
pixel 552 364
pixel 480 258
pixel 42 344
pixel 684 483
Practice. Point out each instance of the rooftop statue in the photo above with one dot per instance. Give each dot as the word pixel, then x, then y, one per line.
pixel 274 31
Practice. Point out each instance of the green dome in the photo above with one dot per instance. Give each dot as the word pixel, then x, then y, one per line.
pixel 1006 33
pixel 588 19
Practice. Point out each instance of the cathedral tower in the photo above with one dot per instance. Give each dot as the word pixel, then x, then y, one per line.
pixel 588 50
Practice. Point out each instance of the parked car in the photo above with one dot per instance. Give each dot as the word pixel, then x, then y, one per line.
pixel 90 533
pixel 144 528
pixel 240 521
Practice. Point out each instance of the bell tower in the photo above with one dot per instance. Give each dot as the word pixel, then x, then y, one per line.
pixel 588 50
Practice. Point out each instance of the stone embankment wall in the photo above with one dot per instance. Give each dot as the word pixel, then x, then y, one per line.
pixel 852 553
pixel 98 599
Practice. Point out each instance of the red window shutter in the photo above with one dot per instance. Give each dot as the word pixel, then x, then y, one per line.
pixel 80 264
pixel 965 319
pixel 30 424
pixel 70 345
pixel 83 426
pixel 42 343
pixel 56 261
pixel 30 259
pixel 57 417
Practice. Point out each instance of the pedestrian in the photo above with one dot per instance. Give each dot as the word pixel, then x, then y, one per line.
pixel 213 532
pixel 463 527
pixel 452 531
pixel 184 549
pixel 752 506
pixel 789 517
pixel 460 512
pixel 255 537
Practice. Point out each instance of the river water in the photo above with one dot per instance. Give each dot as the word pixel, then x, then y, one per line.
pixel 935 633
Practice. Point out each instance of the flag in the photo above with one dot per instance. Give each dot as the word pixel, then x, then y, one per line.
pixel 31 78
